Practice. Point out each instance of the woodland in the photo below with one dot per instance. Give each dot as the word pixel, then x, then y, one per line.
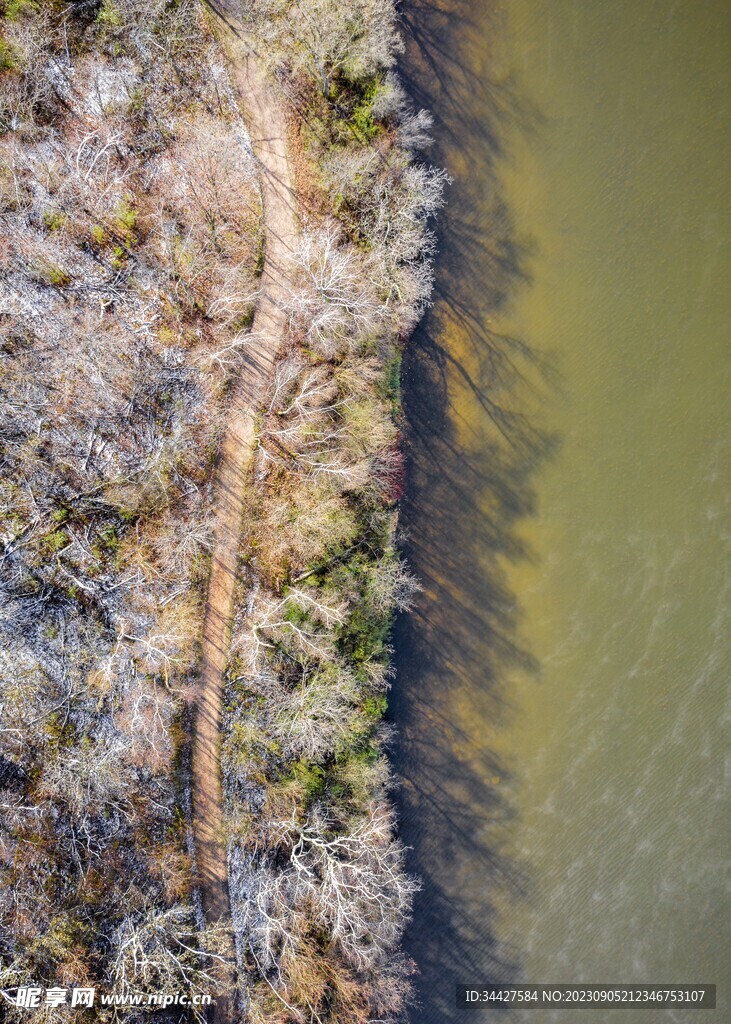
pixel 130 261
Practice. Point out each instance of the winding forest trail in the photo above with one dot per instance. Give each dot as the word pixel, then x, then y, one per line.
pixel 266 124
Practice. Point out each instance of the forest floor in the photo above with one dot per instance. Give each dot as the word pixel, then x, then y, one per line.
pixel 266 123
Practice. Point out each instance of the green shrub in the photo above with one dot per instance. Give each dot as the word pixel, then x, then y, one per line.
pixel 12 10
pixel 51 274
pixel 54 220
pixel 7 56
pixel 55 540
pixel 109 15
pixel 310 777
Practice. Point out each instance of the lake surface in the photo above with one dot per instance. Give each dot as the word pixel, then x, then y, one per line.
pixel 562 688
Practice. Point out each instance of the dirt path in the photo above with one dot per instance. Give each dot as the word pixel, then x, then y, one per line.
pixel 266 124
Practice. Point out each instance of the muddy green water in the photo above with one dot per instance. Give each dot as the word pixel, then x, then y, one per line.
pixel 562 692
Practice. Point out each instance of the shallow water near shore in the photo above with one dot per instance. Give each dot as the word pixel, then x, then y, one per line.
pixel 562 685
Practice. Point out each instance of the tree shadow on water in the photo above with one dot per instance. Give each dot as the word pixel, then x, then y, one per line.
pixel 473 452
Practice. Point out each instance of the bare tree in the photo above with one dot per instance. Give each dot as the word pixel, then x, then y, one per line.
pixel 87 780
pixel 325 40
pixel 337 306
pixel 354 879
pixel 162 951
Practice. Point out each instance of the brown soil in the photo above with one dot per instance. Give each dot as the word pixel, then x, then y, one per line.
pixel 266 122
